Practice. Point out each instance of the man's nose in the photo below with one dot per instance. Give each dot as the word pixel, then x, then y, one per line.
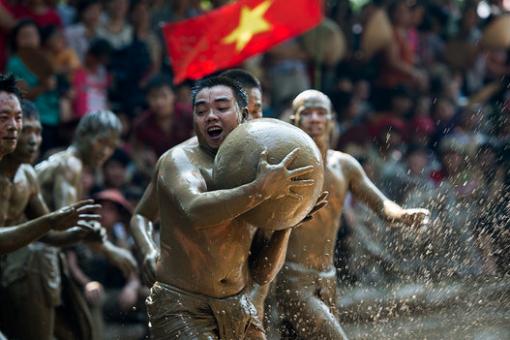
pixel 32 140
pixel 12 124
pixel 211 115
pixel 315 117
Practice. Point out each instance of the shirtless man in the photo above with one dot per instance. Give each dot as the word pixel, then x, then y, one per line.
pixel 29 279
pixel 11 122
pixel 306 285
pixel 208 255
pixel 59 176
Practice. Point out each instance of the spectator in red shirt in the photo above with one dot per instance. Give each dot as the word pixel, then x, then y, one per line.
pixel 39 11
pixel 166 123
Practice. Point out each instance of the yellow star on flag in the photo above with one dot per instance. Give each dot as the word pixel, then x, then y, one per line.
pixel 252 22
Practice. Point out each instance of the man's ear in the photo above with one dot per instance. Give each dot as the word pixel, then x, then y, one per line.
pixel 293 119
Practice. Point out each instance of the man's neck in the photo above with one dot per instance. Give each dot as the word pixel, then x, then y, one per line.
pixel 322 143
pixel 209 151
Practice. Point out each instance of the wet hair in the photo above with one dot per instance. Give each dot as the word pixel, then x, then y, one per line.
pixel 97 123
pixel 239 93
pixel 8 84
pixel 13 44
pixel 157 82
pixel 245 78
pixel 99 48
pixel 29 110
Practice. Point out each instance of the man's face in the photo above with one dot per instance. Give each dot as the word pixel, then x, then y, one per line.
pixel 254 103
pixel 215 115
pixel 29 141
pixel 101 148
pixel 315 121
pixel 11 122
pixel 161 101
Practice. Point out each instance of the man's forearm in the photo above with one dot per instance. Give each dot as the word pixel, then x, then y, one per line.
pixel 12 238
pixel 267 262
pixel 63 238
pixel 141 229
pixel 392 212
pixel 212 208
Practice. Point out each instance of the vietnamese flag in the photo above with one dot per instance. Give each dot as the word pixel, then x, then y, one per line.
pixel 228 35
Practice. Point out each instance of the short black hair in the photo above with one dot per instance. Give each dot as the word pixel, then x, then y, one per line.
pixel 157 82
pixel 98 123
pixel 239 92
pixel 13 44
pixel 245 78
pixel 29 110
pixel 8 84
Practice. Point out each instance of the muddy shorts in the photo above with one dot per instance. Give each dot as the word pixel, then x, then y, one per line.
pixel 177 314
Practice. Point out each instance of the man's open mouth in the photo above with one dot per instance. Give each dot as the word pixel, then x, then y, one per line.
pixel 214 131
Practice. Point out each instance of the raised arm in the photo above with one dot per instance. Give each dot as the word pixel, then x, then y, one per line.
pixel 12 238
pixel 363 189
pixel 203 209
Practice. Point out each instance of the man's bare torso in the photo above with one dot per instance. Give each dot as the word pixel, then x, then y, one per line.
pixel 209 261
pixel 312 244
pixel 16 195
pixel 60 165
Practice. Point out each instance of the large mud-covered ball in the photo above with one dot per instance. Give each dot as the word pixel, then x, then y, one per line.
pixel 238 157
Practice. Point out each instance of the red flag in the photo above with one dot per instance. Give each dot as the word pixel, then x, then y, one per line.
pixel 226 36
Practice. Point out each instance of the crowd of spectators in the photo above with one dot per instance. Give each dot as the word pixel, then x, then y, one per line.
pixel 427 115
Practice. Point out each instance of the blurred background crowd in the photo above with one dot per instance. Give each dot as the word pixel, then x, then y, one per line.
pixel 420 101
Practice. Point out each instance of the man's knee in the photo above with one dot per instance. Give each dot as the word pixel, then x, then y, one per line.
pixel 311 318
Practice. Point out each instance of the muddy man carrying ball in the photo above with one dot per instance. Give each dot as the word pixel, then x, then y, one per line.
pixel 209 252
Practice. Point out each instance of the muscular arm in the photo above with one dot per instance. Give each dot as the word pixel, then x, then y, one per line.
pixel 363 189
pixel 182 180
pixel 268 254
pixel 12 238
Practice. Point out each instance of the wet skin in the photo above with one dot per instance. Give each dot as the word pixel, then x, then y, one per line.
pixel 312 245
pixel 205 248
pixel 23 200
pixel 60 180
pixel 11 122
pixel 254 103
